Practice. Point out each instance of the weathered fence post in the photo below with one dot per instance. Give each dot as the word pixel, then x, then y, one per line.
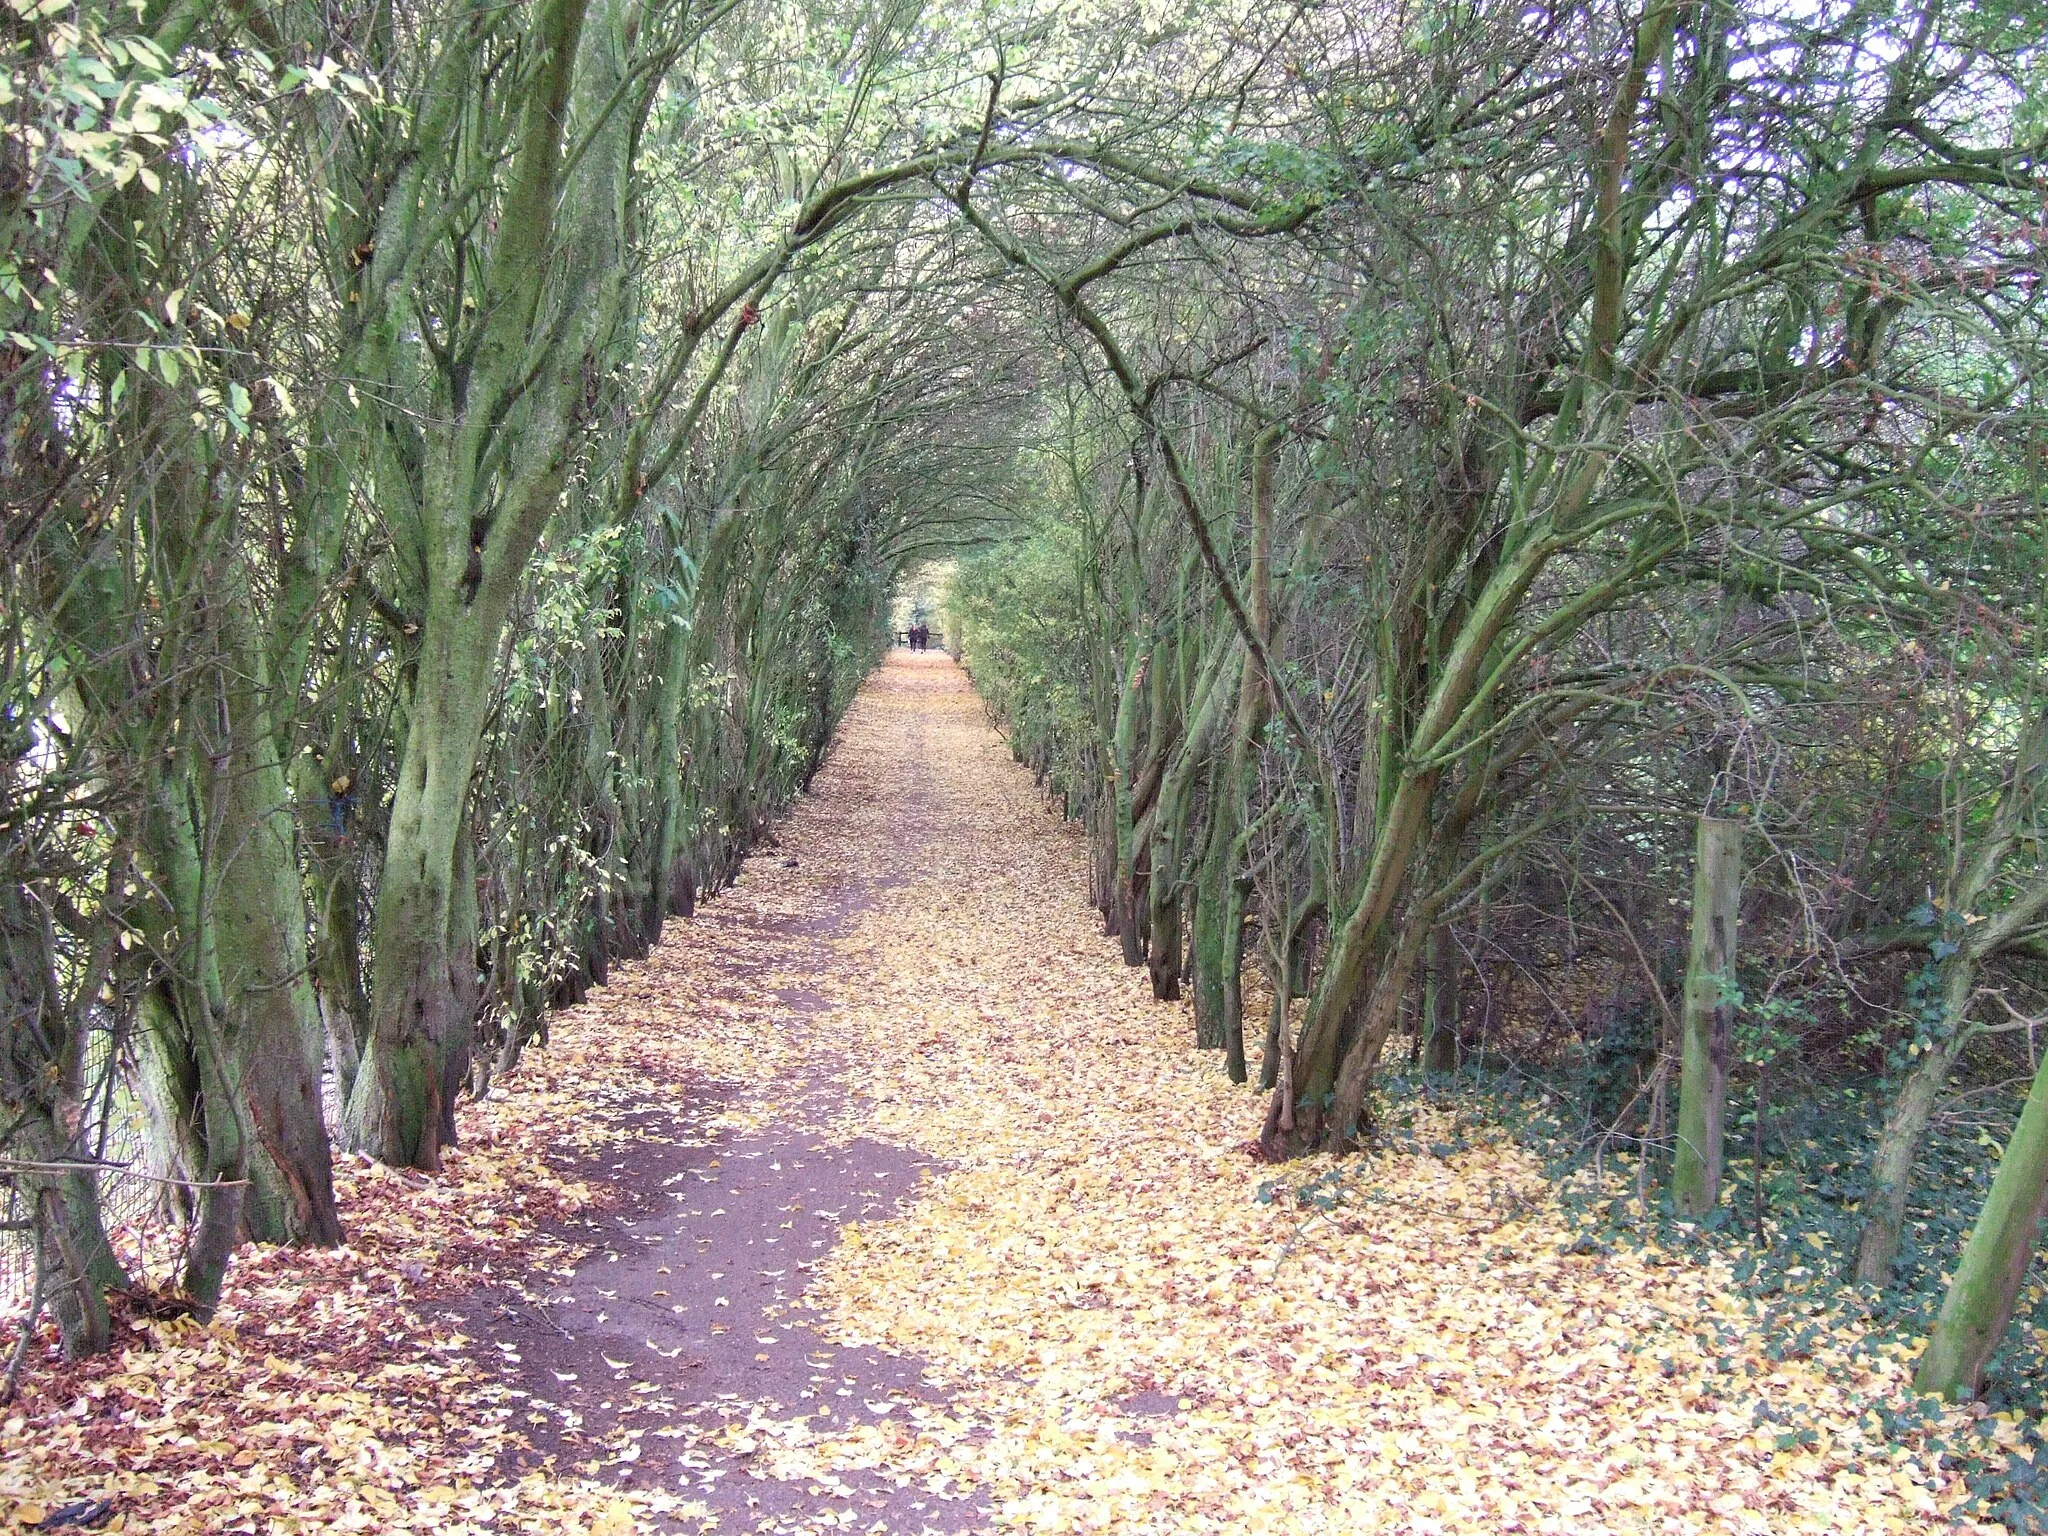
pixel 1704 1026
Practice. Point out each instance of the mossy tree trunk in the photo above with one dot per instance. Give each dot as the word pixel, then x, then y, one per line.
pixel 1219 982
pixel 1979 1305
pixel 42 1093
pixel 1193 760
pixel 492 465
pixel 1973 936
pixel 1122 798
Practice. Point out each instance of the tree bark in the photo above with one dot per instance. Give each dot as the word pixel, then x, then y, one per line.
pixel 1898 1145
pixel 1123 800
pixel 1905 1122
pixel 479 520
pixel 404 1090
pixel 41 1092
pixel 1981 1298
pixel 1441 1000
pixel 1231 967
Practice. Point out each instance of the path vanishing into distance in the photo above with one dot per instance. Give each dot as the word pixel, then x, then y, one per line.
pixel 883 1198
pixel 967 1230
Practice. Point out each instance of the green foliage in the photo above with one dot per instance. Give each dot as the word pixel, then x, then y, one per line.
pixel 1027 632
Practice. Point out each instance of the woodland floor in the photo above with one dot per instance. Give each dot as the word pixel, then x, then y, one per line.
pixel 883 1198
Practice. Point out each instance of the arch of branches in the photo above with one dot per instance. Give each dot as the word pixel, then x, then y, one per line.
pixel 1421 472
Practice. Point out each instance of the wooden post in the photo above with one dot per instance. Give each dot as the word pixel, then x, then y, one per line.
pixel 1703 1029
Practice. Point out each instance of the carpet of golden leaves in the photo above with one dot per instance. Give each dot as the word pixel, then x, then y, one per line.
pixel 1131 1340
pixel 1135 1343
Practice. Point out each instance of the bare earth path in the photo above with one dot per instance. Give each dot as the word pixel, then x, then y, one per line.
pixel 883 1198
pixel 1087 1319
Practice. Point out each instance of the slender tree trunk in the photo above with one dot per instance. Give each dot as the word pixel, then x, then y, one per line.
pixel 611 917
pixel 271 1020
pixel 166 1081
pixel 1334 1062
pixel 1905 1123
pixel 1346 1118
pixel 1980 1301
pixel 1440 1010
pixel 71 1248
pixel 1224 884
pixel 270 1017
pixel 186 1015
pixel 1231 966
pixel 1211 950
pixel 1122 802
pixel 1275 1074
pixel 219 834
pixel 1168 942
pixel 1171 887
pixel 338 970
pixel 661 896
pixel 1898 1145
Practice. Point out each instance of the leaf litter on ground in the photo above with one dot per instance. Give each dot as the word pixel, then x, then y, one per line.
pixel 1130 1333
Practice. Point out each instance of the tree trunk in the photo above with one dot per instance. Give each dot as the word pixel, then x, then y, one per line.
pixel 1440 1010
pixel 1334 1062
pixel 1232 968
pixel 1981 1298
pixel 1891 1173
pixel 219 835
pixel 663 896
pixel 1905 1122
pixel 1168 943
pixel 42 1089
pixel 72 1251
pixel 327 822
pixel 271 1019
pixel 1211 949
pixel 1707 1017
pixel 1346 1116
pixel 494 462
pixel 1102 837
pixel 403 1099
pixel 1273 1062
pixel 1159 809
pixel 1123 800
pixel 166 1081
pixel 338 969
